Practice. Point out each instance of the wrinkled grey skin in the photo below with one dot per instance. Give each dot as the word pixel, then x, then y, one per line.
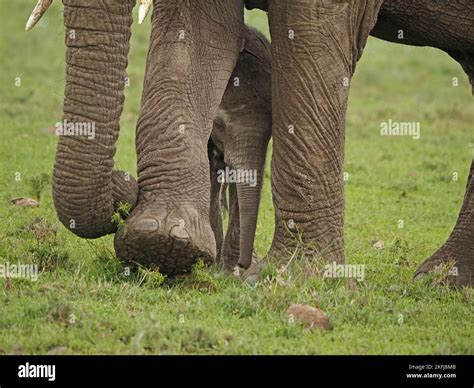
pixel 169 226
pixel 309 93
pixel 239 139
pixel 194 47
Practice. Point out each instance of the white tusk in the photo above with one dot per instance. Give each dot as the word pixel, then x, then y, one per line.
pixel 38 11
pixel 145 6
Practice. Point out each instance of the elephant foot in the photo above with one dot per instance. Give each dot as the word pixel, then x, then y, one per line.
pixel 455 259
pixel 252 274
pixel 289 248
pixel 228 264
pixel 171 242
pixel 458 251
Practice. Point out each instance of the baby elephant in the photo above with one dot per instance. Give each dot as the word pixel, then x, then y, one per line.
pixel 237 150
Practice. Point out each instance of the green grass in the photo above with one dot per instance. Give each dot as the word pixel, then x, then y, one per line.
pixel 84 303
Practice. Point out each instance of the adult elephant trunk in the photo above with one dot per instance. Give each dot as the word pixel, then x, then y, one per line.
pixel 86 190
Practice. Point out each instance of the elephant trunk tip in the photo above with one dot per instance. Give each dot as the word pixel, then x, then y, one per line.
pixel 244 262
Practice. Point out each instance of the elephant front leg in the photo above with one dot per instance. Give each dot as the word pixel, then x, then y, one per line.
pixel 457 254
pixel 193 50
pixel 315 47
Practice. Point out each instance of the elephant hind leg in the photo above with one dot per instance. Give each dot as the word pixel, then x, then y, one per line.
pixel 459 248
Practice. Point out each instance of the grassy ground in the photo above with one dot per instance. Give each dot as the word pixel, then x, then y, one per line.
pixel 82 303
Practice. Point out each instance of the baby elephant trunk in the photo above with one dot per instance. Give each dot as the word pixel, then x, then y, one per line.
pixel 245 151
pixel 248 197
pixel 249 167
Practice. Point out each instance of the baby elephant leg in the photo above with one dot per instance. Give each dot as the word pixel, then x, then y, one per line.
pixel 216 163
pixel 230 249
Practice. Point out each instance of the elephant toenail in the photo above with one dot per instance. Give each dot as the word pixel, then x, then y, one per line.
pixel 146 225
pixel 179 232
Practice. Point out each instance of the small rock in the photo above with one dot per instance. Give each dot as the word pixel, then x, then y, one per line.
pixel 310 317
pixel 56 350
pixel 379 244
pixel 351 284
pixel 17 350
pixel 24 202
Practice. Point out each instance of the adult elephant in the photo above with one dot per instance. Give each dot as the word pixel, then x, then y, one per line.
pixel 315 47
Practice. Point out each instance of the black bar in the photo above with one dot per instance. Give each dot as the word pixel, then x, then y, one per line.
pixel 317 371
